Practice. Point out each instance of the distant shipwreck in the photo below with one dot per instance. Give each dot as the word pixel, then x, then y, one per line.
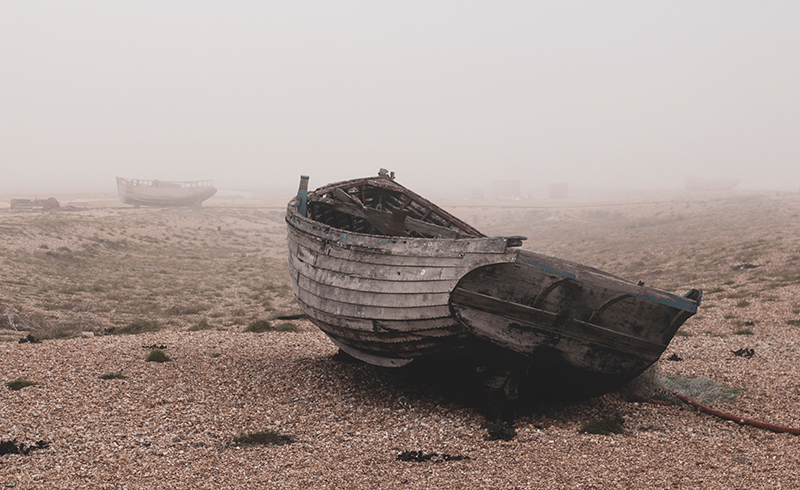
pixel 164 193
pixel 390 277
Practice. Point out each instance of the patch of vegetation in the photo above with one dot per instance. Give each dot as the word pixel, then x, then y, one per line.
pixel 286 327
pixel 743 303
pixel 201 325
pixel 794 323
pixel 181 310
pixel 498 431
pixel 258 326
pixel 683 333
pixel 62 330
pixel 19 383
pixel 112 376
pixel 714 290
pixel 157 355
pixel 606 427
pixel 137 327
pixel 744 331
pixel 263 438
pixel 708 306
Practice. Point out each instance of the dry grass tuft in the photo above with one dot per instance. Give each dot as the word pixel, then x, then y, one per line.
pixel 157 355
pixel 137 327
pixel 259 326
pixel 201 325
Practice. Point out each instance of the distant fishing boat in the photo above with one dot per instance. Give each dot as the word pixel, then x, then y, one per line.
pixel 163 193
pixel 390 277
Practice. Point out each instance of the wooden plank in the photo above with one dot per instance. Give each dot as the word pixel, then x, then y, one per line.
pixel 429 327
pixel 405 246
pixel 379 257
pixel 380 219
pixel 601 279
pixel 360 270
pixel 356 310
pixel 388 280
pixel 391 344
pixel 426 204
pixel 387 299
pixel 548 323
pixel 345 197
pixel 578 295
pixel 375 360
pixel 577 354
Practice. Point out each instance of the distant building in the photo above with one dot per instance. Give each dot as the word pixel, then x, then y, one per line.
pixel 506 189
pixel 558 190
pixel 34 205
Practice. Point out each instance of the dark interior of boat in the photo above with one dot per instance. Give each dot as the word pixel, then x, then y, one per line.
pixel 384 208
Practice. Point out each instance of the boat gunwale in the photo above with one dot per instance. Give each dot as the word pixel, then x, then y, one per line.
pixel 385 244
pixel 661 297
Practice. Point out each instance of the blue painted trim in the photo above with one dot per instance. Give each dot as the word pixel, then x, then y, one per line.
pixel 672 300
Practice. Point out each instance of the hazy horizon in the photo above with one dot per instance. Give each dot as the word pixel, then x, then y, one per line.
pixel 449 95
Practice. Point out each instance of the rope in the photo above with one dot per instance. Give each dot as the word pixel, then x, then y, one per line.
pixel 724 415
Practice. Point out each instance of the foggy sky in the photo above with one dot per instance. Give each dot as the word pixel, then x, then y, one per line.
pixel 448 94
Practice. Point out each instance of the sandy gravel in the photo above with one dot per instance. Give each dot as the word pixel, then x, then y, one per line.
pixel 171 425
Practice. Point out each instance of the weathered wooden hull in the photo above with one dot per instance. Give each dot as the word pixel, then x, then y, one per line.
pixel 162 194
pixel 577 330
pixel 563 329
pixel 384 300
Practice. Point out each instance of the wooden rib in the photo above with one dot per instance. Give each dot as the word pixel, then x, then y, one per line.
pixel 380 219
pixel 599 311
pixel 537 303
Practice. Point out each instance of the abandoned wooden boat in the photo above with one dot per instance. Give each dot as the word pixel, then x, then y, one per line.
pixel 164 193
pixel 390 277
pixel 373 265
